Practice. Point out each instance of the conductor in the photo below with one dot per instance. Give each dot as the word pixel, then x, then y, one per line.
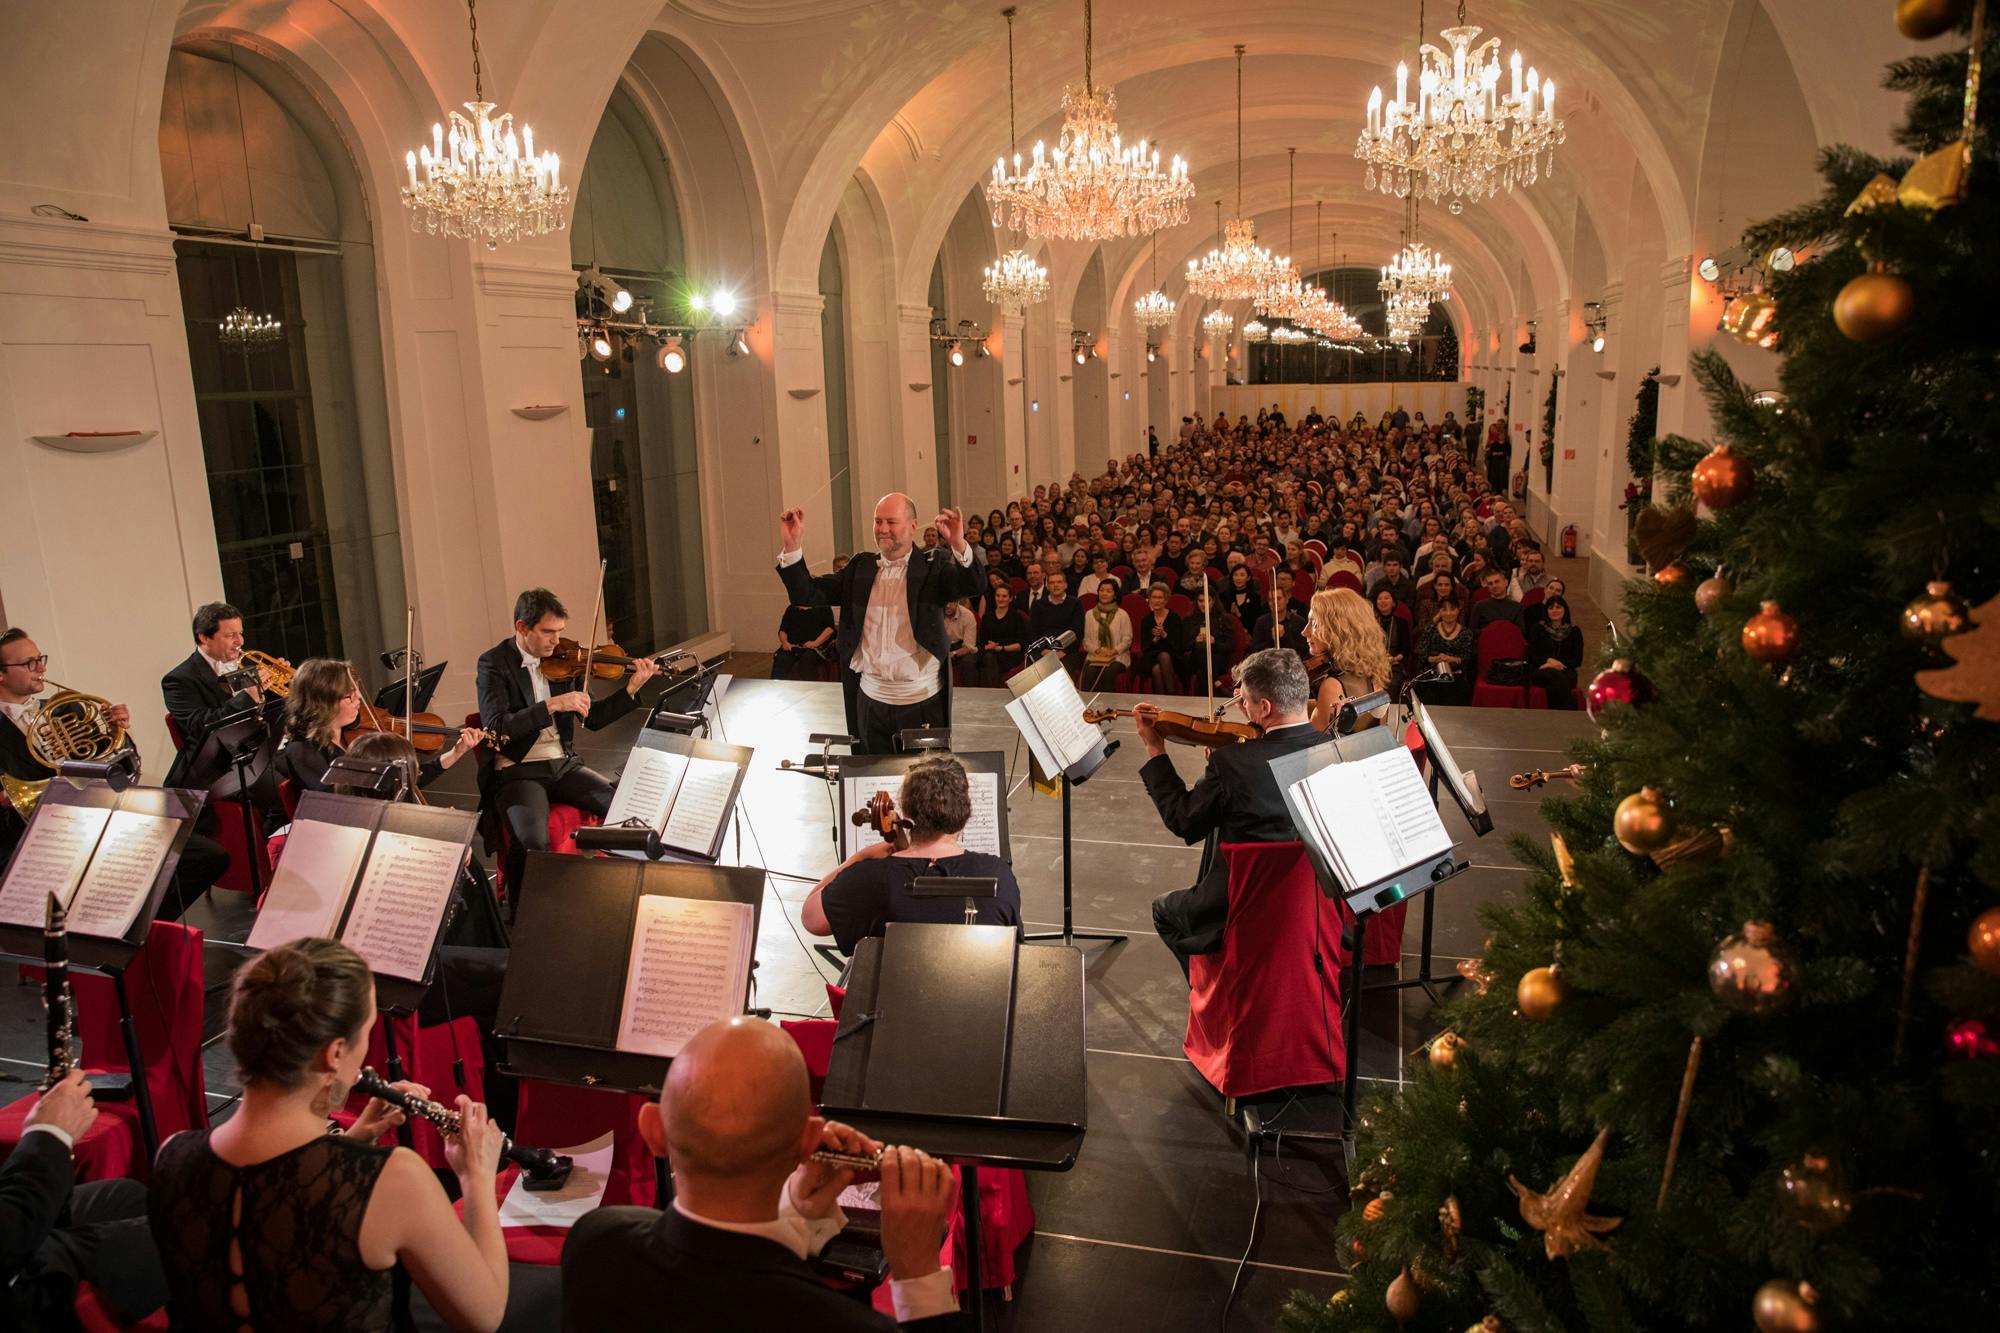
pixel 893 640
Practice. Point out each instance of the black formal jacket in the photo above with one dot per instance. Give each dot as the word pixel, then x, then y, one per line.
pixel 16 761
pixel 507 704
pixel 196 700
pixel 638 1269
pixel 35 1184
pixel 935 578
pixel 1236 799
pixel 305 762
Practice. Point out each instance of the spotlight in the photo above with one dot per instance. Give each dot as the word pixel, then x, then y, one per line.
pixel 955 352
pixel 600 345
pixel 673 358
pixel 621 300
pixel 723 303
pixel 1781 260
pixel 739 344
pixel 697 302
pixel 1152 352
pixel 1597 343
pixel 1081 356
pixel 981 350
pixel 1708 268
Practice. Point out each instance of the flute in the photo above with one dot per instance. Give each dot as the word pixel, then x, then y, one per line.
pixel 540 1164
pixel 56 995
pixel 857 1161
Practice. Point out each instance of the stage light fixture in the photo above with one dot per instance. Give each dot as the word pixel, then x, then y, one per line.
pixel 981 350
pixel 1152 352
pixel 621 300
pixel 723 303
pixel 739 344
pixel 1708 268
pixel 697 302
pixel 1597 343
pixel 673 357
pixel 955 352
pixel 1781 260
pixel 600 344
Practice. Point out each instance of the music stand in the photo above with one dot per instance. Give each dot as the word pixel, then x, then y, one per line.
pixel 955 1040
pixel 232 760
pixel 1074 766
pixel 390 697
pixel 110 957
pixel 861 776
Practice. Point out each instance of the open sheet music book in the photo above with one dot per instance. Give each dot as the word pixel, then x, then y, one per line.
pixel 1372 818
pixel 981 832
pixel 99 862
pixel 685 798
pixel 690 965
pixel 1050 717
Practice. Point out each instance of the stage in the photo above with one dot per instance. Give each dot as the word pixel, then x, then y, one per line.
pixel 1156 1212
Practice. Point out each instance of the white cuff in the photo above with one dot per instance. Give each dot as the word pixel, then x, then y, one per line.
pixel 923 1297
pixel 62 1135
pixel 787 558
pixel 816 1231
pixel 964 561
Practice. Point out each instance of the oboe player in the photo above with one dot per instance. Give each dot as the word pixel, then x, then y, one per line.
pixel 230 1206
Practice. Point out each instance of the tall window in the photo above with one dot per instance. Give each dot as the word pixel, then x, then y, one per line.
pixel 833 349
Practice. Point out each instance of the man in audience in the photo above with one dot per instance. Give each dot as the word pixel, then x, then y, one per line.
pixel 1529 575
pixel 1057 614
pixel 736 1122
pixel 1144 574
pixel 1495 605
pixel 1236 798
pixel 1037 577
pixel 1393 579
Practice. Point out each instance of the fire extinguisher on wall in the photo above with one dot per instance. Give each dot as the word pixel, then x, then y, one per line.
pixel 1569 542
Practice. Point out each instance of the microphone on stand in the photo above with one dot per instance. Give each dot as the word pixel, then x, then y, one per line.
pixel 1054 643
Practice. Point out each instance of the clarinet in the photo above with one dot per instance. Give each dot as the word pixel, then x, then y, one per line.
pixel 56 995
pixel 539 1164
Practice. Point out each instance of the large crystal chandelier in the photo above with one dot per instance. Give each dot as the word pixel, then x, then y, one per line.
pixel 1092 187
pixel 484 182
pixel 1322 314
pixel 1014 281
pixel 1218 323
pixel 1461 139
pixel 1416 270
pixel 1406 317
pixel 1287 297
pixel 1241 270
pixel 1155 309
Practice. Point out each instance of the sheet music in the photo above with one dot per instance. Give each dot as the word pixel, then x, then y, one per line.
pixel 402 897
pixel 982 831
pixel 50 859
pixel 310 885
pixel 1017 709
pixel 121 875
pixel 646 788
pixel 690 965
pixel 1374 817
pixel 701 806
pixel 1447 766
pixel 1057 710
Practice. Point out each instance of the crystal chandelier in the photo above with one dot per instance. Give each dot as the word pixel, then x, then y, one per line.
pixel 246 330
pixel 1461 139
pixel 1406 317
pixel 1322 314
pixel 1256 331
pixel 1218 323
pixel 1288 335
pixel 1287 297
pixel 1092 187
pixel 1155 309
pixel 1416 270
pixel 1014 281
pixel 1241 270
pixel 483 181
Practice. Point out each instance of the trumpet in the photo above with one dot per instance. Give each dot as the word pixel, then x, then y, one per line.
pixel 69 725
pixel 545 1167
pixel 277 673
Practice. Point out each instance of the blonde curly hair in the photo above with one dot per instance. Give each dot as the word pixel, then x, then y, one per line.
pixel 1342 621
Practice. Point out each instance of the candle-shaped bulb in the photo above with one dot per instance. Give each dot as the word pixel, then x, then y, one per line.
pixel 1402 82
pixel 410 161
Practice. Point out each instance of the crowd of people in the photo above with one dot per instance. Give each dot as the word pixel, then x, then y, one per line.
pixel 1169 567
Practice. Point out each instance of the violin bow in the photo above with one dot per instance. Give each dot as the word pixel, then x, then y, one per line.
pixel 1208 634
pixel 409 661
pixel 596 610
pixel 1277 630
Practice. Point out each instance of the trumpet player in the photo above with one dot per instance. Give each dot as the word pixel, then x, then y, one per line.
pixel 197 695
pixel 23 676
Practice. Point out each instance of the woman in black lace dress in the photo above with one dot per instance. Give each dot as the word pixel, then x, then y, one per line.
pixel 268 1222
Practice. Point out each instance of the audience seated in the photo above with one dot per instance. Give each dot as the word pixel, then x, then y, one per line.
pixel 1555 651
pixel 1446 655
pixel 805 638
pixel 1107 639
pixel 1003 634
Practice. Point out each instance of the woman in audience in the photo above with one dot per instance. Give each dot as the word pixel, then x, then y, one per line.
pixel 325 700
pixel 1395 632
pixel 805 635
pixel 1351 656
pixel 1161 638
pixel 1446 651
pixel 1444 588
pixel 1009 562
pixel 1003 632
pixel 270 1222
pixel 1107 639
pixel 1241 598
pixel 1555 651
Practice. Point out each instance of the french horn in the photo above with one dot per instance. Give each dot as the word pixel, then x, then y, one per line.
pixel 69 725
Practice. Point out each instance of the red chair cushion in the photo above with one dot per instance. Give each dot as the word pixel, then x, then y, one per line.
pixel 108 1149
pixel 555 1115
pixel 230 833
pixel 1344 578
pixel 163 986
pixel 1260 1016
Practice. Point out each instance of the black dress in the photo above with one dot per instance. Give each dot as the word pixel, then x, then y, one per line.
pixel 869 894
pixel 801 625
pixel 1567 648
pixel 299 1230
pixel 1010 628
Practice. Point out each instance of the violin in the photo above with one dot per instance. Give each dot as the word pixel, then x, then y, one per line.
pixel 427 733
pixel 1535 777
pixel 880 814
pixel 1183 728
pixel 607 661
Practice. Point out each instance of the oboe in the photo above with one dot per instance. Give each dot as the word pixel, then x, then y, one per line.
pixel 56 995
pixel 544 1168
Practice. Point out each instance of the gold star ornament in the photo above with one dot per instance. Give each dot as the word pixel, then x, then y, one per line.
pixel 1562 1215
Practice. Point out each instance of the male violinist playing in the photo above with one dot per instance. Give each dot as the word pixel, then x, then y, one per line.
pixel 536 719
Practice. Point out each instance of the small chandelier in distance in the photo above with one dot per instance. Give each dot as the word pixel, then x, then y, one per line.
pixel 484 182
pixel 246 330
pixel 1015 281
pixel 1418 270
pixel 1240 270
pixel 1155 309
pixel 1255 331
pixel 1218 323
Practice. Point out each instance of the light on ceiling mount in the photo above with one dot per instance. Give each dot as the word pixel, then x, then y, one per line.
pixel 673 356
pixel 1595 323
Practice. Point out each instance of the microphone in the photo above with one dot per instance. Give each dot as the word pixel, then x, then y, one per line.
pixel 1055 642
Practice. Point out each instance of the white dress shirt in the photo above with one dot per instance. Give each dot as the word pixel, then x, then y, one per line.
pixel 893 669
pixel 219 668
pixel 914 1298
pixel 548 745
pixel 19 714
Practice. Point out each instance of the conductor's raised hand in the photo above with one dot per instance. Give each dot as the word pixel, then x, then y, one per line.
pixel 950 525
pixel 791 528
pixel 917 1196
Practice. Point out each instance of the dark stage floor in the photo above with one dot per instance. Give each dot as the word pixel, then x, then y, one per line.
pixel 1153 1219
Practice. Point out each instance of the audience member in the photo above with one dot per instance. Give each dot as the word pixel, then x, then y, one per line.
pixel 1446 654
pixel 1555 651
pixel 1107 640
pixel 805 636
pixel 1003 634
pixel 1496 605
pixel 1161 638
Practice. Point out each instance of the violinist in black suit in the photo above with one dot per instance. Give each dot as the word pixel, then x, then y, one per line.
pixel 536 719
pixel 893 640
pixel 210 686
pixel 1236 799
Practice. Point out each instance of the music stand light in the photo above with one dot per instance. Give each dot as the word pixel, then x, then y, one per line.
pixel 117 771
pixel 628 837
pixel 911 739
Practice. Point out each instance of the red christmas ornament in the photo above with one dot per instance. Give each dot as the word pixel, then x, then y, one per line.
pixel 1722 479
pixel 1967 1039
pixel 1619 683
pixel 1771 635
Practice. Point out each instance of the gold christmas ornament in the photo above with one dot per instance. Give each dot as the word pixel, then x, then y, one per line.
pixel 1487 1325
pixel 1783 1306
pixel 1540 993
pixel 1710 592
pixel 1752 971
pixel 1814 1193
pixel 1935 614
pixel 1751 319
pixel 1642 823
pixel 1377 1209
pixel 1878 193
pixel 1874 306
pixel 1562 1215
pixel 1722 479
pixel 1983 941
pixel 1444 1049
pixel 1451 1224
pixel 1475 971
pixel 1937 179
pixel 1401 1299
pixel 1565 863
pixel 1663 534
pixel 1702 844
pixel 1974 677
pixel 1921 20
pixel 1771 635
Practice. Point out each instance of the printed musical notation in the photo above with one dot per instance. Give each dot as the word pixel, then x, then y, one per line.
pixel 121 875
pixel 981 832
pixel 690 965
pixel 50 859
pixel 402 897
pixel 310 885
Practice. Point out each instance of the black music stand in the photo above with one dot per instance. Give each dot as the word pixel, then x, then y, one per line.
pixel 390 697
pixel 1073 769
pixel 956 1040
pixel 111 957
pixel 232 760
pixel 867 769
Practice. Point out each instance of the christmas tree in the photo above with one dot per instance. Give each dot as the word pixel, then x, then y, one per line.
pixel 1729 1059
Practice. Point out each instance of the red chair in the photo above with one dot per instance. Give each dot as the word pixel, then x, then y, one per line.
pixel 288 796
pixel 229 831
pixel 1344 578
pixel 1317 547
pixel 1261 1016
pixel 1533 596
pixel 554 1115
pixel 1302 586
pixel 163 987
pixel 564 821
pixel 1180 604
pixel 1020 587
pixel 1498 642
